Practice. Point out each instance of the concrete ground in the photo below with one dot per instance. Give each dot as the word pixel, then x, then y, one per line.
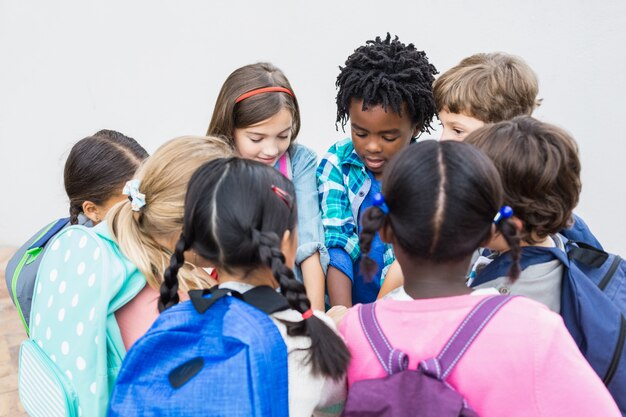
pixel 11 335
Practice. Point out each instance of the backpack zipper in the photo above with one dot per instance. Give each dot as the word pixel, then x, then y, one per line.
pixel 609 274
pixel 619 348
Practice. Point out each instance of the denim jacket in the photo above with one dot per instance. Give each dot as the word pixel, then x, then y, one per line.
pixel 310 229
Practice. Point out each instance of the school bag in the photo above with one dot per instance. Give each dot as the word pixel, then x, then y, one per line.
pixel 68 365
pixel 21 270
pixel 219 354
pixel 593 305
pixel 423 392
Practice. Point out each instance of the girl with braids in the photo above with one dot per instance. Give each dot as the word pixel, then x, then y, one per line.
pixel 440 201
pixel 258 112
pixel 385 90
pixel 240 217
pixel 95 172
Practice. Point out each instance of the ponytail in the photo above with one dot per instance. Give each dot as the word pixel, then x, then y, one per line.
pixel 328 354
pixel 151 258
pixel 509 232
pixel 372 220
pixel 74 213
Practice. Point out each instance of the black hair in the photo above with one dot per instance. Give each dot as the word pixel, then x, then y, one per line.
pixel 442 199
pixel 97 168
pixel 388 73
pixel 236 213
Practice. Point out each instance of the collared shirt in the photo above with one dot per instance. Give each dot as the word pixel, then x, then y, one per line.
pixel 299 164
pixel 343 184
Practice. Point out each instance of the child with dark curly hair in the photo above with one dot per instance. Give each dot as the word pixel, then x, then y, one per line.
pixel 385 91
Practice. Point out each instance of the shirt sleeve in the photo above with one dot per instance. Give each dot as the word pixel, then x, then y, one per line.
pixel 340 227
pixel 566 385
pixel 310 229
pixel 340 260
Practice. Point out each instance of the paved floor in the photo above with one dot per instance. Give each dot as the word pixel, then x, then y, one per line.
pixel 11 335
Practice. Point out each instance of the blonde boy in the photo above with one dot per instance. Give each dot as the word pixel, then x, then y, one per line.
pixel 484 88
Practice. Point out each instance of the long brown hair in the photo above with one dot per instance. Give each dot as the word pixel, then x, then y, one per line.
pixel 228 115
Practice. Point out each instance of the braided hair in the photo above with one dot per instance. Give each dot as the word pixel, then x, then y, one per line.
pixel 441 198
pixel 390 74
pixel 236 214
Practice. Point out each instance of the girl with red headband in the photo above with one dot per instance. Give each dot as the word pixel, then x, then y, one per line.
pixel 258 112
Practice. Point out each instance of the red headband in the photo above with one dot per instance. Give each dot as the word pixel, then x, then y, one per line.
pixel 263 90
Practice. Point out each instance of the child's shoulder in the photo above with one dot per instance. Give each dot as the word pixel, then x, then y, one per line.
pixel 302 155
pixel 340 150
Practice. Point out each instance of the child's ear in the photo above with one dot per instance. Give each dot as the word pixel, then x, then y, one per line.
pixel 416 131
pixel 289 246
pixel 519 224
pixel 90 209
pixel 386 233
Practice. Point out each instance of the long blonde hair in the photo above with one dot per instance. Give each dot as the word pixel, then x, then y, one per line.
pixel 164 177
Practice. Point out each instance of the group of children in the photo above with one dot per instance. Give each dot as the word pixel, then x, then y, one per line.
pixel 384 215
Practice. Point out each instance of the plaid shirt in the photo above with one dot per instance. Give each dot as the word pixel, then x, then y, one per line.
pixel 342 184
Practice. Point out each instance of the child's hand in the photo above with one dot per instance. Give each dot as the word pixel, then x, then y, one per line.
pixel 336 313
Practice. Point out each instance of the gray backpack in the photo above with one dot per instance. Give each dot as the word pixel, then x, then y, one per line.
pixel 21 271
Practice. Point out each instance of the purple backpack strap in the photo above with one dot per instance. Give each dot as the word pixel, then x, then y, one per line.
pixel 441 366
pixel 391 359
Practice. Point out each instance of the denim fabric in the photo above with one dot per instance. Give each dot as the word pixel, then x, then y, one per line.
pixel 340 260
pixel 310 229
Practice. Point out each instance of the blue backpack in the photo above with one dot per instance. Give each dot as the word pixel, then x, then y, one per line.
pixel 215 355
pixel 593 305
pixel 21 271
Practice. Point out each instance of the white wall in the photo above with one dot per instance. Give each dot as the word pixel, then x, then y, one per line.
pixel 152 69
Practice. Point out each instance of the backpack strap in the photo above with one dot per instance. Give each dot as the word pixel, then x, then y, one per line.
pixel 441 366
pixel 530 255
pixel 392 360
pixel 262 297
pixel 586 254
pixel 266 299
pixel 53 229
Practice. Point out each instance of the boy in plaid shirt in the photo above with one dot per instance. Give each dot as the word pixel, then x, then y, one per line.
pixel 385 90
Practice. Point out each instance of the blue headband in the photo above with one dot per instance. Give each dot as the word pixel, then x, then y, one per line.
pixel 379 201
pixel 504 213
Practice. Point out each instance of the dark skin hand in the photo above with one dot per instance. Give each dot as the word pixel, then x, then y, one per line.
pixel 339 288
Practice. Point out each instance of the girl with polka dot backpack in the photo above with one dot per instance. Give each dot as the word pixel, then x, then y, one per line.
pixel 79 334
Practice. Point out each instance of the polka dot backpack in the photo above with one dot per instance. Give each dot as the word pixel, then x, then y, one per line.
pixel 68 365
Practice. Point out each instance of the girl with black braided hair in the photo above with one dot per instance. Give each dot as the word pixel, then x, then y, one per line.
pixel 240 217
pixel 440 201
pixel 385 90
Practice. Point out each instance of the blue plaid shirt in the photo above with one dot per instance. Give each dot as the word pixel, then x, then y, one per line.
pixel 342 184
